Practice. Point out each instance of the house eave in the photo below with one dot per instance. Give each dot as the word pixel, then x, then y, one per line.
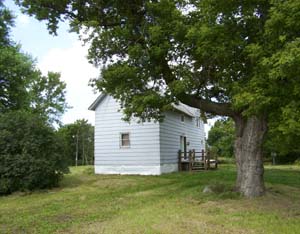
pixel 185 110
pixel 182 108
pixel 94 105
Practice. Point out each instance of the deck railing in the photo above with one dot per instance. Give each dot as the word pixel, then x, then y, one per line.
pixel 196 160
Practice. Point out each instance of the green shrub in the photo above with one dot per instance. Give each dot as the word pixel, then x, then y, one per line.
pixel 30 153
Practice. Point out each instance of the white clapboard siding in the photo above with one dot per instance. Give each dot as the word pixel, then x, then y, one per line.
pixel 144 138
pixel 170 131
pixel 153 146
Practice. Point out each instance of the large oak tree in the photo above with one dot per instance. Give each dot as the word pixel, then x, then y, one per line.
pixel 231 58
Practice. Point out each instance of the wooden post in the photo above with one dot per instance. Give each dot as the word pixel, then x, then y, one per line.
pixel 208 160
pixel 76 156
pixel 203 158
pixel 194 155
pixel 190 160
pixel 273 155
pixel 179 160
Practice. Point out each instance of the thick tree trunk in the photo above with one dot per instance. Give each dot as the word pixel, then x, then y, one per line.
pixel 250 134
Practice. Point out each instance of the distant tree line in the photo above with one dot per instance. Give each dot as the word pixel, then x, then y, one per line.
pixel 78 142
pixel 221 138
pixel 279 142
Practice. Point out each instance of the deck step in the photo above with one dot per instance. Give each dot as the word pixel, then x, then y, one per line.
pixel 197 168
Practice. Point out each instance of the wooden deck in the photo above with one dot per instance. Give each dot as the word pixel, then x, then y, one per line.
pixel 196 161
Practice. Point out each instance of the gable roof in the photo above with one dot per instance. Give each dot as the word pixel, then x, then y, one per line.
pixel 94 105
pixel 190 111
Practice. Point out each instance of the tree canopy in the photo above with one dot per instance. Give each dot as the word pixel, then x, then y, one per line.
pixel 225 57
pixel 22 84
pixel 6 21
pixel 24 87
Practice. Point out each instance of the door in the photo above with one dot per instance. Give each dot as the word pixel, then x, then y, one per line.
pixel 183 146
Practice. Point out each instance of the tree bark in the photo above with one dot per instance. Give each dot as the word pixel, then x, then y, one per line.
pixel 250 134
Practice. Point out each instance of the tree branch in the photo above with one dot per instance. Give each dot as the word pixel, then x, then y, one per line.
pixel 208 106
pixel 211 107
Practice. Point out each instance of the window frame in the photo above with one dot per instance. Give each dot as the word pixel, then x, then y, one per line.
pixel 182 118
pixel 198 122
pixel 121 140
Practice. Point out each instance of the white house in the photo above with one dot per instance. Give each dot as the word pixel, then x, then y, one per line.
pixel 149 148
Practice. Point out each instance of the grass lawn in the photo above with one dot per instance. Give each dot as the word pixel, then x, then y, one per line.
pixel 173 203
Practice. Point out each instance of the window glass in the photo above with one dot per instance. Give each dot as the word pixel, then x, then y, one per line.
pixel 125 140
pixel 182 118
pixel 197 121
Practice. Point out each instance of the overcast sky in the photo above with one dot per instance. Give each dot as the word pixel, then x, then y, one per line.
pixel 63 53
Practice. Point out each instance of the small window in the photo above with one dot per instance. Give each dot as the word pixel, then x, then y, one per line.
pixel 182 118
pixel 125 140
pixel 197 121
